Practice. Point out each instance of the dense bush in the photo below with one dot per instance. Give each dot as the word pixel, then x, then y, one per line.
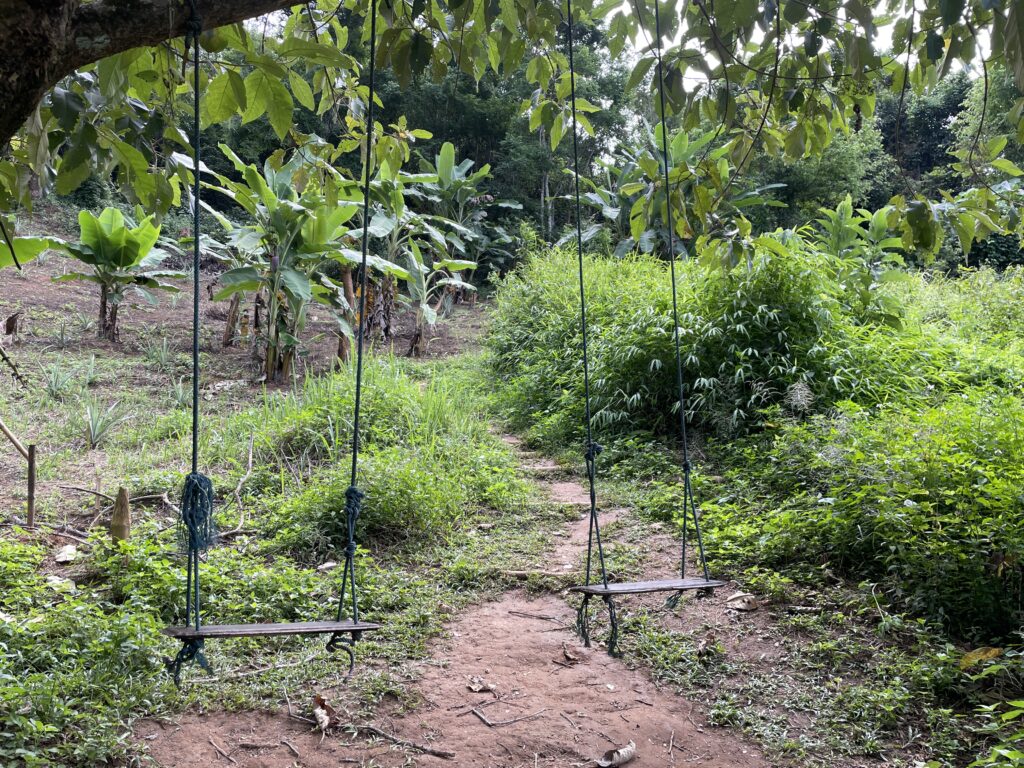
pixel 769 331
pixel 926 502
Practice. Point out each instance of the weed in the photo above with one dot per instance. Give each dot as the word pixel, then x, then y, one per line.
pixel 58 382
pixel 100 421
pixel 181 393
pixel 161 354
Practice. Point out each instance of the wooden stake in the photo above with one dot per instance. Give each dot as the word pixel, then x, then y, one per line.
pixel 31 486
pixel 121 519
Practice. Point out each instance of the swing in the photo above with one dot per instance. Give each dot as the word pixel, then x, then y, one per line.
pixel 603 588
pixel 196 530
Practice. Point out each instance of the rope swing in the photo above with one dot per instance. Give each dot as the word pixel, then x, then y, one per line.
pixel 196 529
pixel 604 590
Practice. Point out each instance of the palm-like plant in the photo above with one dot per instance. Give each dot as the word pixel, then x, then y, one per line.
pixel 280 255
pixel 121 257
pixel 417 250
pixel 463 208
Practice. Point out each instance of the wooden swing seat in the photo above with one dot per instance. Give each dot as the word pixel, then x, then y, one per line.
pixel 640 587
pixel 266 630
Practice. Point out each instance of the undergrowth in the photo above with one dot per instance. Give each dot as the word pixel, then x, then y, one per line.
pixel 81 655
pixel 836 454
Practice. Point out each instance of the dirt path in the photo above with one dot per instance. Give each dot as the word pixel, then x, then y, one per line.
pixel 542 699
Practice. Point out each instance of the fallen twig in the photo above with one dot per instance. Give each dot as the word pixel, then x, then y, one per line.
pixel 238 491
pixel 170 504
pixel 87 490
pixel 427 750
pixel 257 745
pixel 221 752
pixel 291 746
pixel 540 616
pixel 496 723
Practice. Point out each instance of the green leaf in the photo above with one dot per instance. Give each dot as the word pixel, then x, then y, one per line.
pixel 1007 166
pixel 238 280
pixel 279 108
pixel 951 10
pixel 446 164
pixel 301 91
pixel 26 249
pixel 296 283
pixel 220 102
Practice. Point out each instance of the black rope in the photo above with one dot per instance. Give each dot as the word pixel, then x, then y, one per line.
pixel 196 530
pixel 591 450
pixel 688 503
pixel 353 496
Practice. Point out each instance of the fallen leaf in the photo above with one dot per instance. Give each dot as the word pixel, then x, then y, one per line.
pixel 571 657
pixel 330 564
pixel 620 756
pixel 325 715
pixel 971 658
pixel 66 554
pixel 477 684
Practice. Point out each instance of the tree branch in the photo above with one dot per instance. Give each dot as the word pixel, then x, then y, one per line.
pixel 45 40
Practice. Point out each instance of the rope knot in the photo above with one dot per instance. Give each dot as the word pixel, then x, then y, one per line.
pixel 196 531
pixel 353 503
pixel 194 24
pixel 686 467
pixel 593 451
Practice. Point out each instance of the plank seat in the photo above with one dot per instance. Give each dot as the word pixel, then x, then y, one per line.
pixel 639 587
pixel 261 630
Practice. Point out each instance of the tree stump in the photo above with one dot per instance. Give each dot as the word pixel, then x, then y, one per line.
pixel 121 520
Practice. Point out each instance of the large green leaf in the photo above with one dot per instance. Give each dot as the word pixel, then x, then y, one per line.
pixel 238 280
pixel 296 284
pixel 26 249
pixel 446 164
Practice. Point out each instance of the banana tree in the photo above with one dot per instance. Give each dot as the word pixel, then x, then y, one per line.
pixel 417 250
pixel 464 209
pixel 301 214
pixel 122 258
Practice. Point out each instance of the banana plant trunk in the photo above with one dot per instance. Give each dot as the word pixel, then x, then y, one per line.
pixel 344 343
pixel 107 326
pixel 231 325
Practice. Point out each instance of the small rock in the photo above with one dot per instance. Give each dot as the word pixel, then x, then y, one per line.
pixel 66 554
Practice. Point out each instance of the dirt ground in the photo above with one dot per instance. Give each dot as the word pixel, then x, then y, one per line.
pixel 540 699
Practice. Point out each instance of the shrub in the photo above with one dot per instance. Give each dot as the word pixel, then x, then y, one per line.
pixel 767 332
pixel 927 503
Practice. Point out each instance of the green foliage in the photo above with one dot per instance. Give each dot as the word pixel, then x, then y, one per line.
pixel 789 324
pixel 424 463
pixel 70 663
pixel 100 421
pixel 121 257
pixel 923 502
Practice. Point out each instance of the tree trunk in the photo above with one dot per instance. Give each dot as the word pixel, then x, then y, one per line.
pixel 44 40
pixel 344 343
pixel 231 326
pixel 112 323
pixel 101 326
